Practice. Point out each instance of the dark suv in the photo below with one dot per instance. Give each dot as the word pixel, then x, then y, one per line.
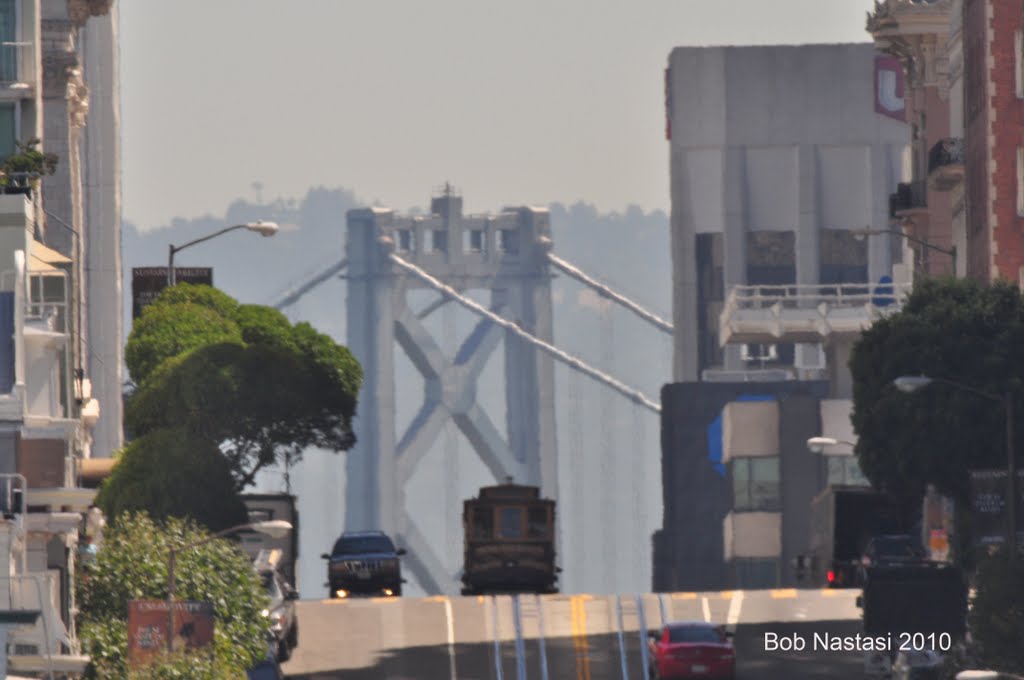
pixel 364 563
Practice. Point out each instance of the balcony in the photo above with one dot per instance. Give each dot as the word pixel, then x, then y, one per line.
pixel 805 312
pixel 946 164
pixel 910 198
pixel 17 68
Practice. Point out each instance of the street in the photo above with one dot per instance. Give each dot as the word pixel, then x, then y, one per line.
pixel 559 636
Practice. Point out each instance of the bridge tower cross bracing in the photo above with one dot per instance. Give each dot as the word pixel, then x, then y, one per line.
pixel 504 254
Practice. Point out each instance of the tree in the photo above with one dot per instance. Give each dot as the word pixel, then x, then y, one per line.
pixel 241 377
pixel 132 564
pixel 997 615
pixel 28 160
pixel 956 329
pixel 167 474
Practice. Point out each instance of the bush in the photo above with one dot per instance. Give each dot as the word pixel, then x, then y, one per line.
pixel 132 565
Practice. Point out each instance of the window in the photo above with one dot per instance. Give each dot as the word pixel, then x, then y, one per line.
pixel 8 129
pixel 754 574
pixel 404 240
pixel 1018 59
pixel 537 523
pixel 360 545
pixel 696 633
pixel 1020 181
pixel 511 523
pixel 476 241
pixel 845 470
pixel 508 241
pixel 439 241
pixel 483 523
pixel 8 39
pixel 755 483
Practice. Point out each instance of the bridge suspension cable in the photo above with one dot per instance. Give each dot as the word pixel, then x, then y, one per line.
pixel 293 296
pixel 628 392
pixel 580 276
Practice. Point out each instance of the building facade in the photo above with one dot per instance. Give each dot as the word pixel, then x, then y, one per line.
pixel 60 300
pixel 919 35
pixel 782 162
pixel 963 62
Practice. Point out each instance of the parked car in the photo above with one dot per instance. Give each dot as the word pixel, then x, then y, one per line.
pixel 268 668
pixel 692 649
pixel 364 563
pixel 280 613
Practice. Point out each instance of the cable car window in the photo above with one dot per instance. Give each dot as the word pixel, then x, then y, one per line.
pixel 511 523
pixel 483 523
pixel 537 523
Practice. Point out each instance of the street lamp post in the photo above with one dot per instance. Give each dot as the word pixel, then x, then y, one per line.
pixel 260 227
pixel 912 383
pixel 275 528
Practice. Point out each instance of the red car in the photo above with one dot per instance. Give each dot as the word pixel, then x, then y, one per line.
pixel 692 649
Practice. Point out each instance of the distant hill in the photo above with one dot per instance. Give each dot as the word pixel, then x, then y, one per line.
pixel 628 251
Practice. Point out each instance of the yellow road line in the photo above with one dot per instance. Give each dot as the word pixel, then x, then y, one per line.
pixel 480 599
pixel 726 594
pixel 384 599
pixel 784 593
pixel 579 636
pixel 684 596
pixel 829 592
pixel 436 598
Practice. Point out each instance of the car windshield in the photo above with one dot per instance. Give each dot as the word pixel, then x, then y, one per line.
pixel 359 545
pixel 693 634
pixel 896 546
pixel 270 585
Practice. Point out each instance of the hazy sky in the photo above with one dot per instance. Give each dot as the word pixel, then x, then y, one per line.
pixel 530 101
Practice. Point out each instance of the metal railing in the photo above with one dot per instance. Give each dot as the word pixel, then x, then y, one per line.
pixel 796 296
pixel 17 595
pixel 949 151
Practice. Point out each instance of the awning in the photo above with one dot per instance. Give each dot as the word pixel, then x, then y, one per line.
pixel 44 253
pixel 92 471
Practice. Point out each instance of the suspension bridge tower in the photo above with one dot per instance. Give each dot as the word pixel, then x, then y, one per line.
pixel 389 256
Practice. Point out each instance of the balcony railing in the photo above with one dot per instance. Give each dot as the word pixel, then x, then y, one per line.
pixel 16 63
pixel 946 163
pixel 909 196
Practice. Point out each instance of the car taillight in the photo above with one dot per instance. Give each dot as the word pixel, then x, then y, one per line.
pixel 831 576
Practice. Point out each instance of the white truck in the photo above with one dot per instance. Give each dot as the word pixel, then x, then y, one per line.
pixel 263 507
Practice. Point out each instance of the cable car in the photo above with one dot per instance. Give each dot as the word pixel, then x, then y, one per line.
pixel 509 541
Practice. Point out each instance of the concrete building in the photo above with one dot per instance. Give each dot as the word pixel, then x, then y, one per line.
pixel 924 38
pixel 782 163
pixel 44 432
pixel 60 297
pixel 75 45
pixel 779 155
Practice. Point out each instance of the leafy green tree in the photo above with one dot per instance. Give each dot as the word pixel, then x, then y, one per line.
pixel 251 382
pixel 955 329
pixel 167 474
pixel 28 159
pixel 132 564
pixel 997 616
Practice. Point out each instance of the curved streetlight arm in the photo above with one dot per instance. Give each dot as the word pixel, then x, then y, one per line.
pixel 175 249
pixel 913 383
pixel 261 227
pixel 874 232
